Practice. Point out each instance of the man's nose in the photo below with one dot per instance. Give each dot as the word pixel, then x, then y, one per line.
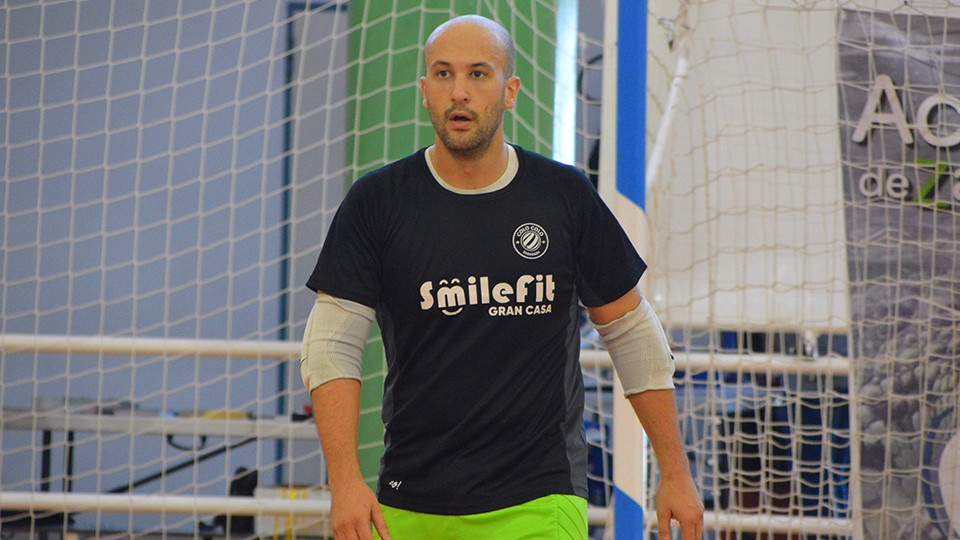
pixel 460 91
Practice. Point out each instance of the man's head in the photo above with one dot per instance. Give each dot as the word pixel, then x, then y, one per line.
pixel 469 83
pixel 501 38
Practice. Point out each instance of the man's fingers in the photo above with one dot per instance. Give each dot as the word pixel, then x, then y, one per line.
pixel 353 533
pixel 380 523
pixel 691 528
pixel 348 534
pixel 663 525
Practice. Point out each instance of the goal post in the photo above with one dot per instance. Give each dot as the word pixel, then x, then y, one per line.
pixel 622 161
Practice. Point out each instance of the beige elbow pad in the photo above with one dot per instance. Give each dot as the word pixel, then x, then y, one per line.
pixel 639 349
pixel 333 340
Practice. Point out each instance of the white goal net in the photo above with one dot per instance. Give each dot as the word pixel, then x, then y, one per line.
pixel 170 169
pixel 804 231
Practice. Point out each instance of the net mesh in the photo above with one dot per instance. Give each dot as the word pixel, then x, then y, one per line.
pixel 808 304
pixel 170 171
pixel 152 171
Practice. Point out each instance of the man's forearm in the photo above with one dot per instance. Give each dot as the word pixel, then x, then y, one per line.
pixel 336 410
pixel 657 412
pixel 677 497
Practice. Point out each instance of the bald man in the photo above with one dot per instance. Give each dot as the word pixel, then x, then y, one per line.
pixel 473 255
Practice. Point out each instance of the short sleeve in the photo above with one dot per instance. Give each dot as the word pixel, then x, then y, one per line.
pixel 608 265
pixel 349 265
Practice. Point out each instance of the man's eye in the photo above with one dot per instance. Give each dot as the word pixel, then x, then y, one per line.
pixel 443 73
pixel 477 74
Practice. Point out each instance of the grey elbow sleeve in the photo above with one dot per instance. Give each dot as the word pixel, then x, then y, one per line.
pixel 640 351
pixel 333 340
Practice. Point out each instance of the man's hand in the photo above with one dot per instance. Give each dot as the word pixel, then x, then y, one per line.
pixel 677 498
pixel 353 507
pixel 336 410
pixel 656 409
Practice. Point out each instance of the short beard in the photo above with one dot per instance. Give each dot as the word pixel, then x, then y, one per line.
pixel 477 144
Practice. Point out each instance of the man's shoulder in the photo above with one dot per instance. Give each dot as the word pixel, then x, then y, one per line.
pixel 559 174
pixel 391 175
pixel 396 169
pixel 534 159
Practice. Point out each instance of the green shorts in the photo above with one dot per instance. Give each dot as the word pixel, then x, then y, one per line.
pixel 554 517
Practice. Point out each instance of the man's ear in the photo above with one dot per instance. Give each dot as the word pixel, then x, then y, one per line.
pixel 512 91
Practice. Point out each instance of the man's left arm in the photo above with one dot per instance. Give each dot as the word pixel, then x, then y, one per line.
pixel 641 355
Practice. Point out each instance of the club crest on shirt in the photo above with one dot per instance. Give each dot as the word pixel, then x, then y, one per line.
pixel 530 241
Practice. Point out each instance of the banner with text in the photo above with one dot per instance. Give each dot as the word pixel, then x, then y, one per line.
pixel 899 95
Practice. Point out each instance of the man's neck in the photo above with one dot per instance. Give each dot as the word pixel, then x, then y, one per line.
pixel 473 172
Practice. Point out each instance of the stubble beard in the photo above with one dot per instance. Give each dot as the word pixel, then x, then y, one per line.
pixel 469 144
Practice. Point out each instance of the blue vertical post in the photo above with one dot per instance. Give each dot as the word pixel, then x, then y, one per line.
pixel 632 100
pixel 631 184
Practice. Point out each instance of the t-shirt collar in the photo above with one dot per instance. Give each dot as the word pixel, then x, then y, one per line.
pixel 513 165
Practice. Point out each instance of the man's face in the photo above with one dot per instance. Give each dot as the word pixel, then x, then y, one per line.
pixel 465 89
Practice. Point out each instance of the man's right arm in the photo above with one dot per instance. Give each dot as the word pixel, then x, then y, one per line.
pixel 336 410
pixel 330 365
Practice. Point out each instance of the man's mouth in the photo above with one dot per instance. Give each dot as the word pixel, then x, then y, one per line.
pixel 459 119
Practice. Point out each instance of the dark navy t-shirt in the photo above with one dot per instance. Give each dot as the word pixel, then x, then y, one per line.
pixel 477 300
